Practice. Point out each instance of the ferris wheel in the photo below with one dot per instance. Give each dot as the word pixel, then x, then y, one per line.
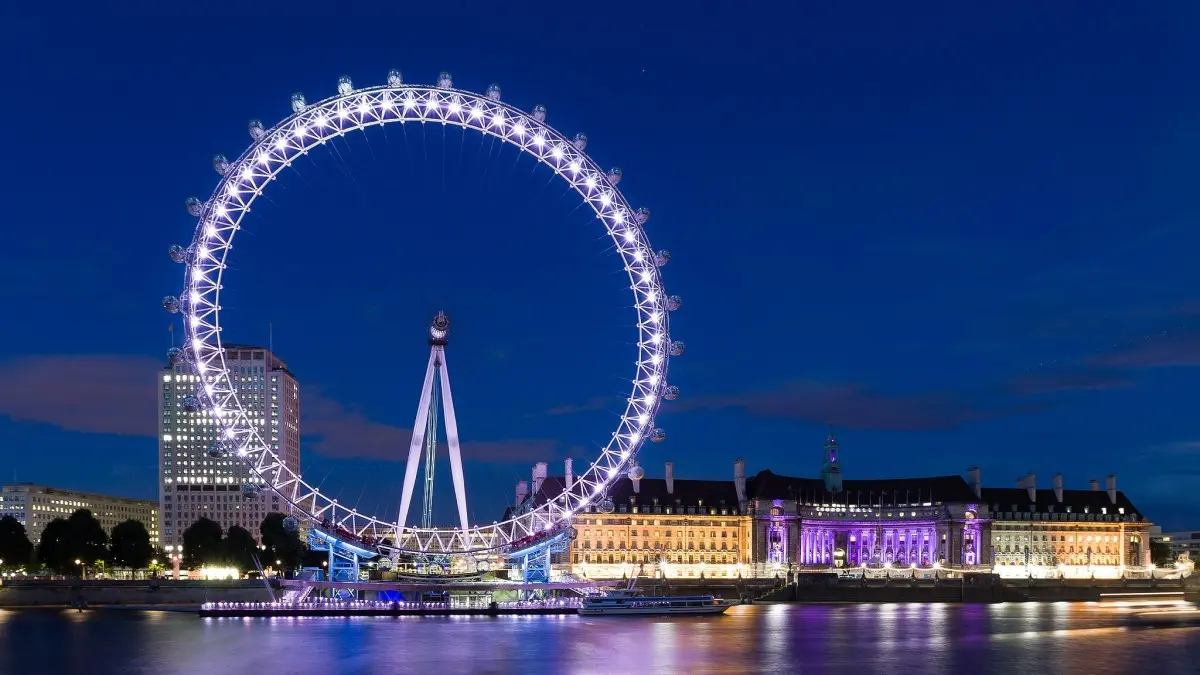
pixel 310 126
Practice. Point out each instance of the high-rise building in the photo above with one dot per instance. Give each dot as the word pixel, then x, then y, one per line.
pixel 36 505
pixel 193 484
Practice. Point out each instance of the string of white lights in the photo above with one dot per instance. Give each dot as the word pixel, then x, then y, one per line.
pixel 274 149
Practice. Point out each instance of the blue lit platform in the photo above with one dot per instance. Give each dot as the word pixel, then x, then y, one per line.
pixel 347 608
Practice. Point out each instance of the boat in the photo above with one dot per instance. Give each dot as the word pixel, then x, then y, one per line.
pixel 630 602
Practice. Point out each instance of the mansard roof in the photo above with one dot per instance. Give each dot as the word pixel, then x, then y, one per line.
pixel 768 485
pixel 1079 501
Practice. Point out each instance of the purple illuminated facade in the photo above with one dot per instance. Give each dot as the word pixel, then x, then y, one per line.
pixel 830 522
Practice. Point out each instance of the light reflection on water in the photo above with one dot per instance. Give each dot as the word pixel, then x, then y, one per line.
pixel 899 639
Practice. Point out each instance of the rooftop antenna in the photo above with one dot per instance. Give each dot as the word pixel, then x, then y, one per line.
pixel 271 338
pixel 171 330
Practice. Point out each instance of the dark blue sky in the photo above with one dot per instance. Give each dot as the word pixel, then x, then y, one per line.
pixel 958 235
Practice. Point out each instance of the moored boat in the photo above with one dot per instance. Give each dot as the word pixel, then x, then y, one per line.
pixel 633 603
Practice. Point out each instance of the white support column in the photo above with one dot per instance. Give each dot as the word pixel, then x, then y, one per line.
pixel 418 438
pixel 456 470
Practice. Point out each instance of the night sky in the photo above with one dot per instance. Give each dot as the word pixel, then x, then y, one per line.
pixel 955 235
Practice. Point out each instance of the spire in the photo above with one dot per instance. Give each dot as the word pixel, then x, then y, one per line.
pixel 831 469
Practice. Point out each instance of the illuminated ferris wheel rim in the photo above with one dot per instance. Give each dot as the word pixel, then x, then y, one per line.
pixel 276 148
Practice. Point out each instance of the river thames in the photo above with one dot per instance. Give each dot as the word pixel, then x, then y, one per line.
pixel 896 639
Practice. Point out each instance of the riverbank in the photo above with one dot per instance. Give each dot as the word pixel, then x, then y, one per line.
pixel 976 590
pixel 148 593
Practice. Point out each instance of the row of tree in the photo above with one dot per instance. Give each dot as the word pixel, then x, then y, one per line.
pixel 81 537
pixel 205 545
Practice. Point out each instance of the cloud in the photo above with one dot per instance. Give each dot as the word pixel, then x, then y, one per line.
pixel 853 406
pixel 102 394
pixel 117 394
pixel 1177 348
pixel 344 432
pixel 1070 379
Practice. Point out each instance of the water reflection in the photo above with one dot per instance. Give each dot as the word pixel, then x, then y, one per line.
pixel 898 639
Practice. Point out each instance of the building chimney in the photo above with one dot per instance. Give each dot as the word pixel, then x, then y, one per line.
pixel 976 485
pixel 522 491
pixel 739 479
pixel 670 478
pixel 1058 487
pixel 1031 486
pixel 1095 485
pixel 1111 486
pixel 568 474
pixel 539 476
pixel 637 485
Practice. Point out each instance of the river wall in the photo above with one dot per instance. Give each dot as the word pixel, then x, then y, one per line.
pixel 34 593
pixel 980 588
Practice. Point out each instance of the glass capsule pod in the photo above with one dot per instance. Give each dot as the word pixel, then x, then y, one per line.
pixel 658 435
pixel 614 175
pixel 636 472
pixel 345 85
pixel 539 113
pixel 662 258
pixel 677 348
pixel 493 91
pixel 176 355
pixel 251 490
pixel 671 393
pixel 394 78
pixel 256 129
pixel 177 253
pixel 299 105
pixel 190 404
pixel 171 304
pixel 220 164
pixel 194 206
pixel 445 81
pixel 580 141
pixel 642 215
pixel 291 525
pixel 674 302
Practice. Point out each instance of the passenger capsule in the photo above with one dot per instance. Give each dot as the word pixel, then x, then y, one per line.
pixel 298 103
pixel 194 206
pixel 607 505
pixel 291 525
pixel 539 113
pixel 636 472
pixel 345 86
pixel 671 393
pixel 395 79
pixel 493 91
pixel 580 141
pixel 171 304
pixel 444 80
pixel 677 348
pixel 642 215
pixel 177 253
pixel 220 164
pixel 256 129
pixel 614 176
pixel 251 490
pixel 176 355
pixel 674 302
pixel 218 449
pixel 658 435
pixel 191 404
pixel 662 258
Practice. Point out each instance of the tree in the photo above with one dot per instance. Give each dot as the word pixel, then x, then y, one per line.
pixel 130 545
pixel 239 548
pixel 1160 553
pixel 280 544
pixel 15 547
pixel 79 537
pixel 54 550
pixel 202 544
pixel 88 540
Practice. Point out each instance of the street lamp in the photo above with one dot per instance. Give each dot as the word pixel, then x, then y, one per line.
pixel 81 570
